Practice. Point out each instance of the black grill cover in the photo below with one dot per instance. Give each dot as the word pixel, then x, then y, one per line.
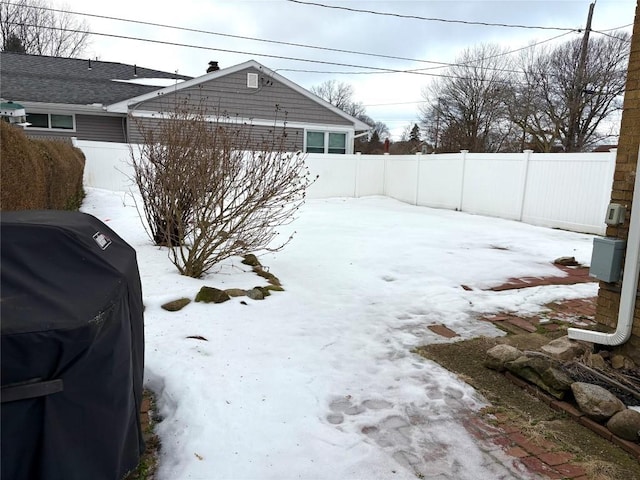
pixel 72 348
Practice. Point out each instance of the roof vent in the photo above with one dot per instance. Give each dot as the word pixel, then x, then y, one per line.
pixel 213 67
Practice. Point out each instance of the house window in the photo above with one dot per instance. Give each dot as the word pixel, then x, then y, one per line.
pixel 50 120
pixel 338 143
pixel 326 142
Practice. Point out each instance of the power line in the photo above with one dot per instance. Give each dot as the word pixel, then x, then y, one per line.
pixel 431 19
pixel 281 57
pixel 300 45
pixel 627 40
pixel 379 70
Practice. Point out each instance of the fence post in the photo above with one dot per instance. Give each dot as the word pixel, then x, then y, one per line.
pixel 523 182
pixel 418 158
pixel 356 186
pixel 384 175
pixel 464 168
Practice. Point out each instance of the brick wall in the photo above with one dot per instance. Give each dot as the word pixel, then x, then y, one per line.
pixel 626 164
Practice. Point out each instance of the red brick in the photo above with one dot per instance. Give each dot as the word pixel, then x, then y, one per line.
pixel 570 470
pixel 443 331
pixel 595 427
pixel 523 324
pixel 537 466
pixel 517 452
pixel 556 458
pixel 502 441
pixel 567 408
pixel 529 446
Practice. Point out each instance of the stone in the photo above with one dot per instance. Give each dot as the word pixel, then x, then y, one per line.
pixel 255 294
pixel 543 372
pixel 626 425
pixel 595 360
pixel 566 261
pixel 235 292
pixel 499 355
pixel 176 305
pixel 596 402
pixel 251 260
pixel 274 288
pixel 212 295
pixel 620 362
pixel 270 277
pixel 563 348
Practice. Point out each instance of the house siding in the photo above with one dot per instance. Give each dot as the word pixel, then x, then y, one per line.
pixel 229 95
pixel 88 127
pixel 623 185
pixel 258 134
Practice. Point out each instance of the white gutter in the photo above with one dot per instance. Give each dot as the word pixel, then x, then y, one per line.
pixel 629 283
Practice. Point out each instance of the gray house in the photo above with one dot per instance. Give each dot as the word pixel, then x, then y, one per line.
pixel 106 101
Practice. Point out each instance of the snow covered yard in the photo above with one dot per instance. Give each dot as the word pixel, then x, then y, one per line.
pixel 319 381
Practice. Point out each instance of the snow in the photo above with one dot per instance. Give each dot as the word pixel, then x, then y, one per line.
pixel 151 82
pixel 319 381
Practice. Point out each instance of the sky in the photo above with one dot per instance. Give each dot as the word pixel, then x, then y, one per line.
pixel 319 381
pixel 391 98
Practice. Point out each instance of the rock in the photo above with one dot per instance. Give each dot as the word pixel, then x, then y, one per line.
pixel 595 360
pixel 235 292
pixel 626 425
pixel 274 288
pixel 563 348
pixel 255 294
pixel 251 260
pixel 212 295
pixel 499 355
pixel 566 261
pixel 596 402
pixel 543 372
pixel 621 362
pixel 176 305
pixel 270 277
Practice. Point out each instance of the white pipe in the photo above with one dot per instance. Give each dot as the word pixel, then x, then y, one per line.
pixel 629 283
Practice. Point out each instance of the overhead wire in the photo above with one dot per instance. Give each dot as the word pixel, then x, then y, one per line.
pixel 431 19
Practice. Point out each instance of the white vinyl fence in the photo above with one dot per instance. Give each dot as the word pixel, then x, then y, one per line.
pixel 563 190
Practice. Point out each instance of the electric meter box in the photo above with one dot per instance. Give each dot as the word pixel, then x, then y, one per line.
pixel 606 259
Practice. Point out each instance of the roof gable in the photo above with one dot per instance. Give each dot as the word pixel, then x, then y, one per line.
pixel 123 107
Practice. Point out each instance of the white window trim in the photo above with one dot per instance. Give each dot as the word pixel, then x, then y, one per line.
pixel 348 139
pixel 50 128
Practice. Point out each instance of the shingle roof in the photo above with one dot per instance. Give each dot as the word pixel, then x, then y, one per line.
pixel 35 78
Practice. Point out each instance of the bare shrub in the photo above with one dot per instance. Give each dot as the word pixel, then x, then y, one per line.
pixel 212 188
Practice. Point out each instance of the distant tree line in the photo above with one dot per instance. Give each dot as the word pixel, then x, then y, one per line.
pixel 541 100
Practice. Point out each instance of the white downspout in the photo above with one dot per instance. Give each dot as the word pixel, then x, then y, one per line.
pixel 629 282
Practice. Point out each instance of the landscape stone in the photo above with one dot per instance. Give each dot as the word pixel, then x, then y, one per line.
pixel 235 292
pixel 596 402
pixel 566 261
pixel 563 348
pixel 499 355
pixel 626 425
pixel 255 294
pixel 595 360
pixel 251 260
pixel 176 305
pixel 212 295
pixel 543 372
pixel 621 362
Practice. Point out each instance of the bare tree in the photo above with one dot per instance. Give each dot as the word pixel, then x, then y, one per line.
pixel 40 29
pixel 556 106
pixel 466 109
pixel 211 189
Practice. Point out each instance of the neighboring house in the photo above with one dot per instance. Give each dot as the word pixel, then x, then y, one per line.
pixel 105 101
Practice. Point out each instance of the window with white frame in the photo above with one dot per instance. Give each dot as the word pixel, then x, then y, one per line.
pixel 326 142
pixel 51 121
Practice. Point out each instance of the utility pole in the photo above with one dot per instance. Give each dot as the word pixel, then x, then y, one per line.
pixel 574 127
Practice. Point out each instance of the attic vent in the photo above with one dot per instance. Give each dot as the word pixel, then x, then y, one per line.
pixel 252 80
